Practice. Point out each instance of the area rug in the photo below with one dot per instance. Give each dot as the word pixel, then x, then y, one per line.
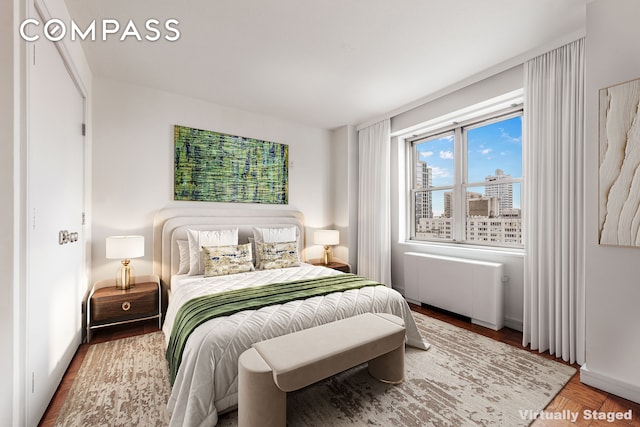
pixel 465 379
pixel 120 383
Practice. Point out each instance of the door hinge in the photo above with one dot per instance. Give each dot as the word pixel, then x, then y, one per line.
pixel 84 129
pixel 83 218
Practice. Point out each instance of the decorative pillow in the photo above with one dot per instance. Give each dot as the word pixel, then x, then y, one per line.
pixel 223 260
pixel 183 250
pixel 277 255
pixel 273 235
pixel 200 238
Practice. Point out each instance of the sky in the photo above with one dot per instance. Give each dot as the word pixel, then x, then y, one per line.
pixel 494 146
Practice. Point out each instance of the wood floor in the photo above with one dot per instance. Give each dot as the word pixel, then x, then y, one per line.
pixel 575 397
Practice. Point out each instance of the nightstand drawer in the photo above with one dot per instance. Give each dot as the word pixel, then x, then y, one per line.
pixel 345 268
pixel 113 305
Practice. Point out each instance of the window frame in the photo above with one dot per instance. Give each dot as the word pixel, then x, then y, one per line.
pixel 460 184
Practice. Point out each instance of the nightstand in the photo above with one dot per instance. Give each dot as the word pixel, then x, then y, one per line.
pixel 336 264
pixel 109 306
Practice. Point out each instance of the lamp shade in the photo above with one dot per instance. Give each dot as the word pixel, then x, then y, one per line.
pixel 125 247
pixel 326 237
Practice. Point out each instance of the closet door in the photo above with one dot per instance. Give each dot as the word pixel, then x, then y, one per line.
pixel 55 177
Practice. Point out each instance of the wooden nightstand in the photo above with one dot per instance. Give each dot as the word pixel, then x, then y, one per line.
pixel 109 306
pixel 336 264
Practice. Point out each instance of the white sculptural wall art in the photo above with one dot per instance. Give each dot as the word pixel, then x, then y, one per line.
pixel 619 168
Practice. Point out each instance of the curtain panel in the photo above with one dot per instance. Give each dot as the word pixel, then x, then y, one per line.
pixel 554 202
pixel 374 207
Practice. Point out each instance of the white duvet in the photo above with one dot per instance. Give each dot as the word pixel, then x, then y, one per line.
pixel 206 383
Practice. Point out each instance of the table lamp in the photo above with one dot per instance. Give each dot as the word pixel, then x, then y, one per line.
pixel 125 248
pixel 326 238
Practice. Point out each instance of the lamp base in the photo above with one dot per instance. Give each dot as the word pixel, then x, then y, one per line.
pixel 124 278
pixel 326 256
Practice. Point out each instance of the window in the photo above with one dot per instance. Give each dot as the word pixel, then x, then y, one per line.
pixel 467 182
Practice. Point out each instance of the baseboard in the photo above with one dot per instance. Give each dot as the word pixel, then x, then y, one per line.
pixel 610 385
pixel 412 301
pixel 512 323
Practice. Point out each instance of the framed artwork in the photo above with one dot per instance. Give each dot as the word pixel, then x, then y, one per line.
pixel 217 167
pixel 619 165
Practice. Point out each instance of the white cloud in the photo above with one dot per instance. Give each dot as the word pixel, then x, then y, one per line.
pixel 486 151
pixel 425 154
pixel 446 154
pixel 438 172
pixel 504 135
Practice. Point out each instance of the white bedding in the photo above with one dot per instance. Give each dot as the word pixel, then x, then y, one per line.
pixel 206 383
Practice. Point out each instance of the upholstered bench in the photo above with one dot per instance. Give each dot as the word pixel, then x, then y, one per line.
pixel 271 368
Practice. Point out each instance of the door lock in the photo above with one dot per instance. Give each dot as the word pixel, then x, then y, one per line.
pixel 64 236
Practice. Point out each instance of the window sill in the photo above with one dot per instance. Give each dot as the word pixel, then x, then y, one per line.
pixel 462 248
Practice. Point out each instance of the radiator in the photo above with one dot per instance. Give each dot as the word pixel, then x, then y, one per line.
pixel 471 288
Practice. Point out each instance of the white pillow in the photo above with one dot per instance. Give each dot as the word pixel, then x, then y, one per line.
pixel 275 234
pixel 279 234
pixel 200 238
pixel 252 242
pixel 183 250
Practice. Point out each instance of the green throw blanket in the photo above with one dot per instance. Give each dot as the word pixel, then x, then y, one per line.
pixel 199 310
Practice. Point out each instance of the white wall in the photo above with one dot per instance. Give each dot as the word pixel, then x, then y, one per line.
pixel 133 162
pixel 344 187
pixel 499 84
pixel 612 285
pixel 8 214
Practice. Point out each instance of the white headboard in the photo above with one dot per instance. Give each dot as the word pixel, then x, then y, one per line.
pixel 170 225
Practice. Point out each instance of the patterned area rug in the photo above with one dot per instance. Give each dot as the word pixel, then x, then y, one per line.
pixel 465 379
pixel 120 383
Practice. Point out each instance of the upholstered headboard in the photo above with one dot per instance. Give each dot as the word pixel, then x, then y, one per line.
pixel 170 225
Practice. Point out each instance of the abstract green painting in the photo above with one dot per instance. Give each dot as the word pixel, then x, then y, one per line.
pixel 217 167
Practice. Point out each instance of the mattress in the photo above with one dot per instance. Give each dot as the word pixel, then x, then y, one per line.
pixel 206 382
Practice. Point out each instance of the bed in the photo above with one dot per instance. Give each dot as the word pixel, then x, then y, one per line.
pixel 203 363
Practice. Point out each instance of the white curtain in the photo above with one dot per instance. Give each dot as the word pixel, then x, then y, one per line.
pixel 554 158
pixel 374 208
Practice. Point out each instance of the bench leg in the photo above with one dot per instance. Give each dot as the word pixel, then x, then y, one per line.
pixel 389 367
pixel 260 402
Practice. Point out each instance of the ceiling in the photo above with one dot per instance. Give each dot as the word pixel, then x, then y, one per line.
pixel 323 63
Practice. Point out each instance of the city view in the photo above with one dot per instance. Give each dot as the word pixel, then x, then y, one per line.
pixel 492 206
